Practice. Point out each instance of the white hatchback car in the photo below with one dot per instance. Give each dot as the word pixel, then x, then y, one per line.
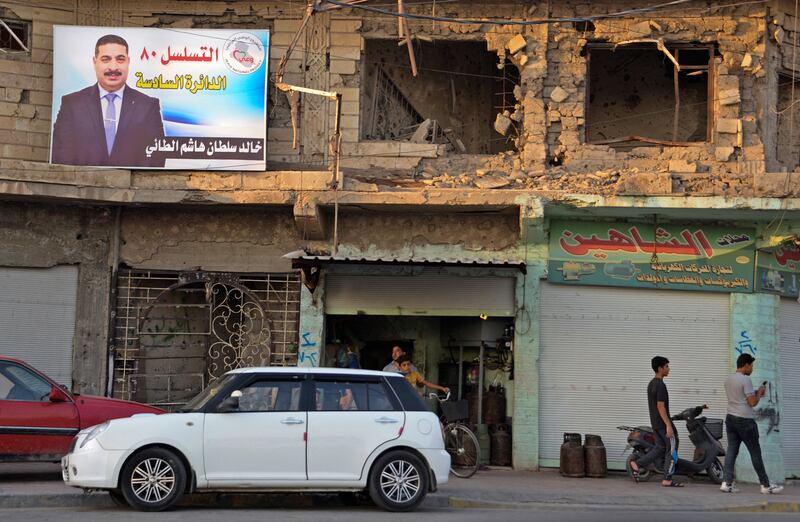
pixel 271 429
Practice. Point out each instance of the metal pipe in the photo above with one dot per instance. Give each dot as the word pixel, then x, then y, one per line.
pixel 480 384
pixel 460 370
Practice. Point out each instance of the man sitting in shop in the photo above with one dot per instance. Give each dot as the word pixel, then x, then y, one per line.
pixel 416 378
pixel 394 366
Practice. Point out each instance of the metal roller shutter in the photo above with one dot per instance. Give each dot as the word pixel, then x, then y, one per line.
pixel 790 384
pixel 596 346
pixel 427 292
pixel 37 317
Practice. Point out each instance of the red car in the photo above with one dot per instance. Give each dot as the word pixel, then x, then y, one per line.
pixel 39 418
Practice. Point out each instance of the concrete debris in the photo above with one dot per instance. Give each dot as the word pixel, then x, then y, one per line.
pixel 421 134
pixel 559 95
pixel 502 123
pixel 522 59
pixel 516 44
pixel 518 92
pixel 748 61
pixel 493 182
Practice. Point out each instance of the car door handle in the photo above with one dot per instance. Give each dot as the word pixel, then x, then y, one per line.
pixel 386 420
pixel 291 420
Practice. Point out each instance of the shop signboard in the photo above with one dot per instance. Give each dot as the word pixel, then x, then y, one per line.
pixel 676 257
pixel 778 271
pixel 151 98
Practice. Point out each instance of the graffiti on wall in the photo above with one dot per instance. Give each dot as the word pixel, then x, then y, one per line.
pixel 768 406
pixel 745 344
pixel 770 411
pixel 307 355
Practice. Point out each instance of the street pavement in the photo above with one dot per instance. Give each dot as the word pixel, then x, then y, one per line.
pixel 40 486
pixel 83 514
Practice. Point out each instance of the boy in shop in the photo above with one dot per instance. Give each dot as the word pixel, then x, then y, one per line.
pixel 416 378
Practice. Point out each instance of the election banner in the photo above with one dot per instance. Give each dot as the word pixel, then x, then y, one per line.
pixel 778 271
pixel 150 98
pixel 676 257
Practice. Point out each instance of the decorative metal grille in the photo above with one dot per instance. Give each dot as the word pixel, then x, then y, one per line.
pixel 393 116
pixel 177 332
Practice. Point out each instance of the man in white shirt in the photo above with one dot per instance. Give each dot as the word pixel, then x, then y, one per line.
pixel 393 367
pixel 740 425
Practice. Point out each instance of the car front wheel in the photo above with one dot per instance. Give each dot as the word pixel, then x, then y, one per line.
pixel 153 480
pixel 398 481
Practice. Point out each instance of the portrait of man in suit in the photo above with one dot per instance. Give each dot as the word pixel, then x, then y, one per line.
pixel 108 123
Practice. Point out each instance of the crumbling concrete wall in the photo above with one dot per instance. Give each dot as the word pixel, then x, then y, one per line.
pixel 549 105
pixel 38 236
pixel 209 239
pixel 401 236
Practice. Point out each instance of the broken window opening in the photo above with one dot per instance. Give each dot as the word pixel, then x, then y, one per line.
pixel 636 94
pixel 453 100
pixel 788 124
pixel 22 31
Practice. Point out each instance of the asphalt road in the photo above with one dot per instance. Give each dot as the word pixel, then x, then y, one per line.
pixel 371 514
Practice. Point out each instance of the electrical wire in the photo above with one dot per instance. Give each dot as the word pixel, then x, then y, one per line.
pixel 543 21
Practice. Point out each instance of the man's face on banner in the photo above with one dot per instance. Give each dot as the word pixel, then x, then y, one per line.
pixel 111 66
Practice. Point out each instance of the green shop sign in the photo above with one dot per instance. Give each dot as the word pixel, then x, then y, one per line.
pixel 643 256
pixel 778 271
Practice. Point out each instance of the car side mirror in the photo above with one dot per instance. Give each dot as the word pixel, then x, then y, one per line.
pixel 58 395
pixel 230 404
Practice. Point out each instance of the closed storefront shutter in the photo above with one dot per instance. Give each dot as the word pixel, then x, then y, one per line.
pixel 427 292
pixel 596 346
pixel 790 384
pixel 37 317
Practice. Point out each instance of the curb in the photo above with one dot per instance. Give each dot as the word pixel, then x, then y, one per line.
pixel 305 501
pixel 760 507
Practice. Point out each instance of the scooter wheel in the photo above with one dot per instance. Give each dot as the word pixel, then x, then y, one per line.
pixel 644 473
pixel 715 472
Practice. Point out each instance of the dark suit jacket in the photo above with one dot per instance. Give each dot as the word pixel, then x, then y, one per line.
pixel 79 136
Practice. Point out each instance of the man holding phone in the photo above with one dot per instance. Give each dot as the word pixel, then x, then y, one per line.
pixel 740 424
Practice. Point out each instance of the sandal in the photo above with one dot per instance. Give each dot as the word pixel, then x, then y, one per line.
pixel 634 471
pixel 673 484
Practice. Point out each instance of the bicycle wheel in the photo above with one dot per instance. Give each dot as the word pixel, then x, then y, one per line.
pixel 462 445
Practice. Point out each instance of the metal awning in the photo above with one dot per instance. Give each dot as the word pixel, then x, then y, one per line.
pixel 302 260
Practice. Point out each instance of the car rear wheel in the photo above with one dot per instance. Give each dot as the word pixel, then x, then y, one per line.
pixel 153 480
pixel 398 481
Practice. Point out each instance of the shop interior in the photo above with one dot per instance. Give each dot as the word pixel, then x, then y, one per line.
pixel 455 352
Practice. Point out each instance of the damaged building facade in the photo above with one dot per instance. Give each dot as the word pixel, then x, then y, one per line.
pixel 561 189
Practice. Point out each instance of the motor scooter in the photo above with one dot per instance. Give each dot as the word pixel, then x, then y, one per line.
pixel 704 433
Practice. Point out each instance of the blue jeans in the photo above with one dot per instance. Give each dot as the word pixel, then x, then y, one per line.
pixel 740 429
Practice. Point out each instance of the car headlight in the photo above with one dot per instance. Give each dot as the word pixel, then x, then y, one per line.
pixel 93 433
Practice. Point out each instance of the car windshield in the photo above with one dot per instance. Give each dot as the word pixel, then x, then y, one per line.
pixel 206 395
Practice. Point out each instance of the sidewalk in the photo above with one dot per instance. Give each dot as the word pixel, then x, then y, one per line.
pixel 39 485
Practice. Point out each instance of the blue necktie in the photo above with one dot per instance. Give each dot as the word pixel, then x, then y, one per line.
pixel 110 121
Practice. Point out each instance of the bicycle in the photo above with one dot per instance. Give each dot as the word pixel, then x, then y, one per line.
pixel 459 441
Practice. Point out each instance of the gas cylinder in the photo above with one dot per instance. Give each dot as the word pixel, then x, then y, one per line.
pixel 472 404
pixel 595 456
pixel 501 446
pixel 494 405
pixel 572 460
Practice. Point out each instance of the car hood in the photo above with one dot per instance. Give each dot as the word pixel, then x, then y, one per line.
pixel 95 410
